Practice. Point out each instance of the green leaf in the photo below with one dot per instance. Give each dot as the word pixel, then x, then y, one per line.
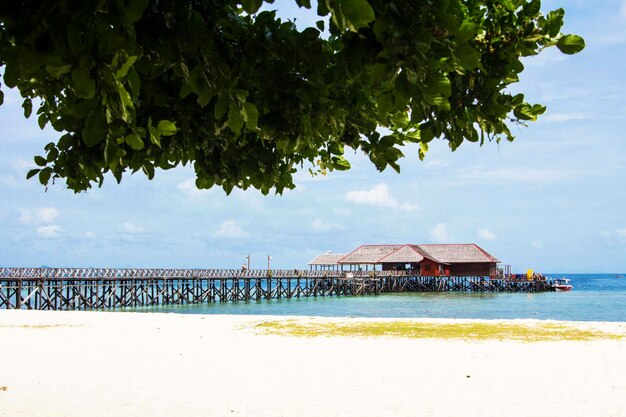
pixel 123 70
pixel 437 100
pixel 570 44
pixel 221 107
pixel 148 169
pixel 466 56
pixel 322 8
pixel 134 141
pixel 83 84
pixel 251 6
pixel 111 152
pixel 235 120
pixel 358 12
pixel 441 85
pixel 524 112
pixel 94 130
pixel 134 10
pixel 11 74
pixel 42 120
pixel 28 107
pixel 386 104
pixel 340 163
pixel 135 82
pixel 167 128
pixel 531 9
pixel 155 137
pixel 426 133
pixel 65 142
pixel 336 148
pixel 554 22
pixel 204 183
pixel 126 100
pixel 304 3
pixel 56 71
pixel 44 176
pixel 423 150
pixel 52 155
pixel 41 161
pixel 1 97
pixel 32 173
pixel 466 32
pixel 251 115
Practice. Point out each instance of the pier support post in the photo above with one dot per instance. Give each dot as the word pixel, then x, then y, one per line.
pixel 18 295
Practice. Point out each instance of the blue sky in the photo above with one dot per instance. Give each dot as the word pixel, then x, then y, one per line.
pixel 554 200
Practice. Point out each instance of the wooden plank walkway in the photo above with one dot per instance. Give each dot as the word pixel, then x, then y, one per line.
pixel 108 288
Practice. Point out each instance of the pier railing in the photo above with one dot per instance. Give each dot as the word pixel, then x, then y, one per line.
pixel 107 288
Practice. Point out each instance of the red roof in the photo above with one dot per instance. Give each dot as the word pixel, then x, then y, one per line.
pixel 407 253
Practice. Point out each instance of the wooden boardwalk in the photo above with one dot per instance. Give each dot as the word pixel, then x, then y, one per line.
pixel 104 288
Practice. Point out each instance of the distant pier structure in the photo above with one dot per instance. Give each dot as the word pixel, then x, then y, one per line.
pixel 464 259
pixel 105 288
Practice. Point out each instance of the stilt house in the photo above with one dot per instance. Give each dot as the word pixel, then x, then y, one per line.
pixel 429 260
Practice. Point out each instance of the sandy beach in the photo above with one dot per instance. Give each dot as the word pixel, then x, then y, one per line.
pixel 130 364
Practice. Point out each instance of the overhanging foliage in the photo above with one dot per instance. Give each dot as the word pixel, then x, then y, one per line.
pixel 249 99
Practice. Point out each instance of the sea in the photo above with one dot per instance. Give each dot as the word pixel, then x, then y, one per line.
pixel 595 297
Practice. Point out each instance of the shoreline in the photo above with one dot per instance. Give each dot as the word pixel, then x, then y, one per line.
pixel 161 364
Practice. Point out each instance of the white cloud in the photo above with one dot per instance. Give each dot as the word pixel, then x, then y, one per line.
pixel 621 232
pixel 90 235
pixel 322 226
pixel 440 233
pixel 49 231
pixel 132 228
pixel 408 207
pixel 45 215
pixel 379 196
pixel 486 234
pixel 25 217
pixel 622 10
pixel 21 166
pixel 230 229
pixel 436 163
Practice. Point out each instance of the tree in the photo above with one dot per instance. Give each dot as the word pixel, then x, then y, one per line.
pixel 248 99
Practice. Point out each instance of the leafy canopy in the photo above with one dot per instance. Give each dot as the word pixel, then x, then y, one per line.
pixel 248 99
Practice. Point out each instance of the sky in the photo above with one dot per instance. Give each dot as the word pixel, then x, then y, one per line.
pixel 553 200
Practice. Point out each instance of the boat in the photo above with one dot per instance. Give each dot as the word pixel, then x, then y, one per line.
pixel 619 275
pixel 561 284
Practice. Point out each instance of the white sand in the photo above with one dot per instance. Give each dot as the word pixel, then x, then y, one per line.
pixel 125 364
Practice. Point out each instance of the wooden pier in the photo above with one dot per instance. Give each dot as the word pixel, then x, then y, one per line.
pixel 103 288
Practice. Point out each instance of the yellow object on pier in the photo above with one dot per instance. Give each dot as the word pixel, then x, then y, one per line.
pixel 529 274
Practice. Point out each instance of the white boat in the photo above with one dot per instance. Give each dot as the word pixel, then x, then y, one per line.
pixel 561 284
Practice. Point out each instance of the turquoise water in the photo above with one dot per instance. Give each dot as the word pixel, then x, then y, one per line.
pixel 596 297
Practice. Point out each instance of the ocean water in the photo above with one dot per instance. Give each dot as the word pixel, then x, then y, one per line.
pixel 595 297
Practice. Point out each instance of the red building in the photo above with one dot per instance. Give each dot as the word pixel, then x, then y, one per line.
pixel 429 260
